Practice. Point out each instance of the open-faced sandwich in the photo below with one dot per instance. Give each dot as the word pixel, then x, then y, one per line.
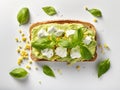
pixel 63 40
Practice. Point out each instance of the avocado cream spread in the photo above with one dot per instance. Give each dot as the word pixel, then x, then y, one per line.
pixel 63 42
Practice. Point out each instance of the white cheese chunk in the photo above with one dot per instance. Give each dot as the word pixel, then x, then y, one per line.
pixel 42 33
pixel 75 53
pixel 47 52
pixel 87 40
pixel 70 32
pixel 51 30
pixel 60 51
pixel 59 33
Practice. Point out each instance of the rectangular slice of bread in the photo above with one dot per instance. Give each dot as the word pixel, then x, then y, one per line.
pixel 86 24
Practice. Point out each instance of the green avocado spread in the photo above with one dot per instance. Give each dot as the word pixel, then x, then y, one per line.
pixel 58 42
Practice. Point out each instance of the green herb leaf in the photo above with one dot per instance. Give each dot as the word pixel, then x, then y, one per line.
pixel 73 40
pixel 42 43
pixel 103 67
pixel 23 16
pixel 48 71
pixel 65 43
pixel 53 38
pixel 49 10
pixel 18 73
pixel 78 36
pixel 95 12
pixel 85 53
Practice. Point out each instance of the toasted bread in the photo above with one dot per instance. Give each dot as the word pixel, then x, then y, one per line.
pixel 86 24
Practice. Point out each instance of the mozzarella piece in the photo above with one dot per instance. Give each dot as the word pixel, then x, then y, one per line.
pixel 87 40
pixel 51 30
pixel 75 53
pixel 42 33
pixel 60 51
pixel 70 32
pixel 47 52
pixel 59 33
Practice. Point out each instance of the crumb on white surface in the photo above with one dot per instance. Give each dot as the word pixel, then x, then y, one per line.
pixel 20 31
pixel 85 7
pixel 39 82
pixel 59 71
pixel 30 61
pixel 24 39
pixel 20 60
pixel 23 34
pixel 106 46
pixel 27 46
pixel 28 67
pixel 18 50
pixel 78 67
pixel 36 67
pixel 94 20
pixel 17 40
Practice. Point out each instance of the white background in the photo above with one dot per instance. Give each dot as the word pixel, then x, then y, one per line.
pixel 108 31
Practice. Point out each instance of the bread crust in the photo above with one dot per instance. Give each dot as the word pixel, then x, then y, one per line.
pixel 88 25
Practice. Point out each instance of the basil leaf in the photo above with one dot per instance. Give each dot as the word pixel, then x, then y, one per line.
pixel 95 12
pixel 52 44
pixel 18 73
pixel 73 40
pixel 78 36
pixel 48 71
pixel 103 67
pixel 42 43
pixel 53 38
pixel 53 41
pixel 23 16
pixel 85 53
pixel 49 10
pixel 65 43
